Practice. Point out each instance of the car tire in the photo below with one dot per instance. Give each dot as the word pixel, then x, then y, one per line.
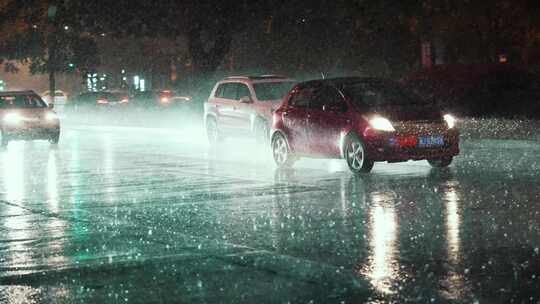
pixel 262 133
pixel 281 152
pixel 54 139
pixel 355 154
pixel 440 162
pixel 212 131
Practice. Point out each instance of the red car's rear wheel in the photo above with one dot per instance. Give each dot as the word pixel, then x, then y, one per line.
pixel 280 151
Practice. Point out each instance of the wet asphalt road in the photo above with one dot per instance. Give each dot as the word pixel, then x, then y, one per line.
pixel 121 214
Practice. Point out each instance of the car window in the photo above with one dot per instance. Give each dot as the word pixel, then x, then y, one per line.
pixel 374 94
pixel 272 90
pixel 326 96
pixel 219 91
pixel 301 98
pixel 21 101
pixel 243 91
pixel 229 91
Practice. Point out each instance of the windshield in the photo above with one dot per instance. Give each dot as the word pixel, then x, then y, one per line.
pixel 21 101
pixel 376 94
pixel 272 90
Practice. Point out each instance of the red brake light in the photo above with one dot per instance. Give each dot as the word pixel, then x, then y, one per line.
pixel 102 101
pixel 124 100
pixel 164 99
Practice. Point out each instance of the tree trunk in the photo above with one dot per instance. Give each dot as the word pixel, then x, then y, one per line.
pixel 52 85
pixel 51 64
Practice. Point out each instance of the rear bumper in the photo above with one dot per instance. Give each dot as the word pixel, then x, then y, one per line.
pixel 390 148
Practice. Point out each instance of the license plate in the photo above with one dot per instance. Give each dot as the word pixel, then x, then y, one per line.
pixel 430 141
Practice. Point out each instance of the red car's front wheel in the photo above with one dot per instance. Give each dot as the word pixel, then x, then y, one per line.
pixel 356 155
pixel 441 162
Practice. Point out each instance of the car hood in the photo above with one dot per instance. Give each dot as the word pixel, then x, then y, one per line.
pixel 408 113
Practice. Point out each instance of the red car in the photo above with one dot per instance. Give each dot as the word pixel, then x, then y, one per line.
pixel 363 120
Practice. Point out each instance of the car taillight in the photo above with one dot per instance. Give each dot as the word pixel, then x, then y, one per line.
pixel 102 101
pixel 124 100
pixel 164 99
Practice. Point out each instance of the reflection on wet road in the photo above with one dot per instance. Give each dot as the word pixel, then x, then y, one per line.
pixel 126 214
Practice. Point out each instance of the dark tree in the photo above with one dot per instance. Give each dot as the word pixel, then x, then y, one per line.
pixel 46 35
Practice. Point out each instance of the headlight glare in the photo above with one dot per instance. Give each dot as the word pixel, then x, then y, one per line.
pixel 450 120
pixel 382 124
pixel 13 118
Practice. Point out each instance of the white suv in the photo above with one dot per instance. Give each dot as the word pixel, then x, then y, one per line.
pixel 242 106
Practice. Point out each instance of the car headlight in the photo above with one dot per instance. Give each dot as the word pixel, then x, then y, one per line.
pixel 13 118
pixel 381 123
pixel 450 120
pixel 51 116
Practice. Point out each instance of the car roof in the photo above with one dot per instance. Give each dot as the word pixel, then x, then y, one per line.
pixel 343 81
pixel 256 79
pixel 9 93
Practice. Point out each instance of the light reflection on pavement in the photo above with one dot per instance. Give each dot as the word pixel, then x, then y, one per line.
pixel 109 216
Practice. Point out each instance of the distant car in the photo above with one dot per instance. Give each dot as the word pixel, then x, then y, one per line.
pixel 156 99
pixel 479 90
pixel 363 120
pixel 242 106
pixel 24 115
pixel 97 100
pixel 145 99
pixel 171 97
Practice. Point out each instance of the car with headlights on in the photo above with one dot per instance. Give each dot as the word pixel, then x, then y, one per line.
pixel 159 99
pixel 173 98
pixel 25 116
pixel 363 120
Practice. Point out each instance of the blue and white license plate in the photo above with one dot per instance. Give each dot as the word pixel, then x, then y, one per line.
pixel 430 141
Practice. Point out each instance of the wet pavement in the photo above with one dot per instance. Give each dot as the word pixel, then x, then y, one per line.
pixel 124 214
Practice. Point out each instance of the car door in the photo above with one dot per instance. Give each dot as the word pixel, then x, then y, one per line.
pixel 327 120
pixel 243 113
pixel 224 102
pixel 295 119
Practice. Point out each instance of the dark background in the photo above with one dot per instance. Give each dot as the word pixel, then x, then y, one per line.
pixel 189 44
